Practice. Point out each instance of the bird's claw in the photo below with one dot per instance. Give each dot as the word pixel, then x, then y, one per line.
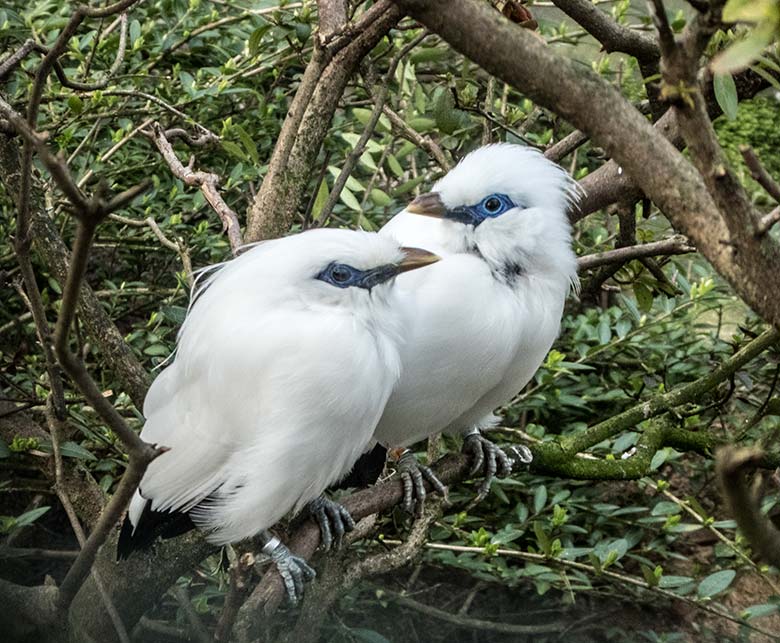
pixel 489 458
pixel 413 477
pixel 294 570
pixel 332 518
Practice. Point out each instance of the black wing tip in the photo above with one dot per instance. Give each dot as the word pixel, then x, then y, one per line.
pixel 125 545
pixel 366 470
pixel 151 526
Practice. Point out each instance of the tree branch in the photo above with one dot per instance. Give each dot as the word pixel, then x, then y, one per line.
pixel 610 34
pixel 676 245
pixel 594 106
pixel 759 173
pixel 660 404
pixel 732 467
pixel 208 182
pixel 308 119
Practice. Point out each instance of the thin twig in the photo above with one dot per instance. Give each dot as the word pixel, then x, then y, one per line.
pixel 196 627
pixel 380 98
pixel 622 578
pixel 759 173
pixel 209 184
pixel 475 623
pixel 120 56
pixel 766 222
pixel 566 145
pixel 423 142
pixel 11 61
pixel 240 571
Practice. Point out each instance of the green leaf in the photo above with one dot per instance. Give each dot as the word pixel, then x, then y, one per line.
pixel 369 636
pixel 622 328
pixel 540 498
pixel 187 82
pixel 631 306
pixel 254 40
pixel 716 583
pixel 175 314
pixel 157 350
pixel 447 118
pixel 134 31
pixel 422 124
pixel 74 450
pixel 320 200
pixel 349 200
pixel 743 52
pixel 235 150
pixel 363 115
pixel 395 166
pixel 763 609
pixel 248 143
pixel 644 298
pixel 605 333
pixel 430 54
pixel 650 577
pixel 29 517
pixel 672 582
pixel 665 508
pixel 382 199
pixel 542 538
pixel 726 94
pixel 75 104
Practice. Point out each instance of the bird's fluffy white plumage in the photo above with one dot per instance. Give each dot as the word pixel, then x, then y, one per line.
pixel 277 384
pixel 480 322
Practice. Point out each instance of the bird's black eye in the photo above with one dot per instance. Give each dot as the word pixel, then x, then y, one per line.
pixel 340 274
pixel 493 204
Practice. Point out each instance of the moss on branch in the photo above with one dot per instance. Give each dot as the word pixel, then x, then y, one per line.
pixel 662 403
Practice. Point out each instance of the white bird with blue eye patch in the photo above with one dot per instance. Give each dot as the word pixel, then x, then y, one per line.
pixel 481 321
pixel 283 367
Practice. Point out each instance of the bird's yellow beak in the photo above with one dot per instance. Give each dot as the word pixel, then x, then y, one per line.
pixel 428 205
pixel 416 258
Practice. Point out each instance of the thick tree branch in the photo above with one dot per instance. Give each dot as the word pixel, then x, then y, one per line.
pixel 307 123
pixel 595 107
pixel 733 466
pixel 609 184
pixel 610 34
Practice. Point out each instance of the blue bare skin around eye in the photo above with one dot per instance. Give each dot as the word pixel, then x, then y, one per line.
pixel 476 214
pixel 360 278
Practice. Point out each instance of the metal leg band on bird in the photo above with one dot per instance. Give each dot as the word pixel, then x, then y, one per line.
pixel 413 477
pixel 294 570
pixel 332 518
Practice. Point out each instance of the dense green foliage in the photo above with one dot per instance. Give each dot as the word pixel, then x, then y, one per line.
pixel 233 68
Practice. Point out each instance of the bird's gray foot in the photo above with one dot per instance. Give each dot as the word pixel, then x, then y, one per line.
pixel 332 518
pixel 294 570
pixel 491 459
pixel 413 477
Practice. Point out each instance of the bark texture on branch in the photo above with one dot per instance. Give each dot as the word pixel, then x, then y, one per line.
pixel 276 204
pixel 48 243
pixel 134 584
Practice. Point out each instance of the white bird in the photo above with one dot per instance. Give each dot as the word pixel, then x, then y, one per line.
pixel 481 321
pixel 283 366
